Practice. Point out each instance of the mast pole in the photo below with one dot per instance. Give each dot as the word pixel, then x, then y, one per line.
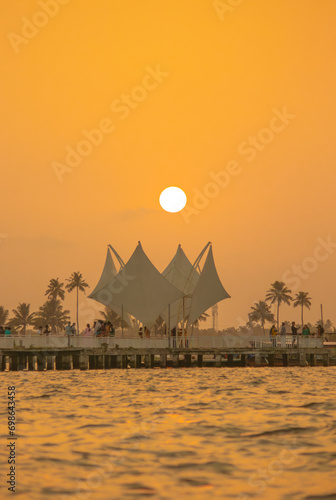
pixel 169 324
pixel 122 320
pixel 183 320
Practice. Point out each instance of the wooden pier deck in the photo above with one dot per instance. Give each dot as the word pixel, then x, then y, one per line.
pixel 41 359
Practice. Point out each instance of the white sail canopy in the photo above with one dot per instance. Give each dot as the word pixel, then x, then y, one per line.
pixel 109 272
pixel 140 289
pixel 208 291
pixel 180 273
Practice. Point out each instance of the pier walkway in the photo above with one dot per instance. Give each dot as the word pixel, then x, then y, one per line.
pixel 85 353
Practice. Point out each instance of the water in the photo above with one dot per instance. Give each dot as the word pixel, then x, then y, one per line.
pixel 226 433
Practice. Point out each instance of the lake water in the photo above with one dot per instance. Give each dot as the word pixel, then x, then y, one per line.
pixel 198 433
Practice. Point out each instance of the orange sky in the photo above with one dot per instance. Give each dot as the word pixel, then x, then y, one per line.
pixel 198 83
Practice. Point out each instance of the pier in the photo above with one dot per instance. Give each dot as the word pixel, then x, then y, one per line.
pixel 61 353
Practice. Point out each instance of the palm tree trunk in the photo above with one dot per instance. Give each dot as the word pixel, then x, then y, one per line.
pixel 278 310
pixel 301 317
pixel 77 313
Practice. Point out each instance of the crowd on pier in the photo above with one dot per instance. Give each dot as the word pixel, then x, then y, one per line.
pixel 306 333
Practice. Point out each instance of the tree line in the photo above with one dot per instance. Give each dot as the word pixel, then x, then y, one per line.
pixel 279 294
pixel 51 312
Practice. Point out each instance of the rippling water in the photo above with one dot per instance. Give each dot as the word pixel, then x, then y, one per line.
pixel 234 433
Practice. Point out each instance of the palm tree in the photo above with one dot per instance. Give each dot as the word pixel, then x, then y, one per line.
pixel 197 322
pixel 279 293
pixel 328 326
pixel 52 313
pixel 302 299
pixel 3 315
pixel 109 315
pixel 77 282
pixel 261 313
pixel 55 290
pixel 22 317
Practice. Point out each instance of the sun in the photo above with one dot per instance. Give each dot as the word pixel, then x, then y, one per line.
pixel 173 199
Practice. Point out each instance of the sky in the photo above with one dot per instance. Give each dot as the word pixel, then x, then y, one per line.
pixel 104 104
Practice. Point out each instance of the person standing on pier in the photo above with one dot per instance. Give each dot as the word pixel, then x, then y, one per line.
pixel 273 333
pixel 305 331
pixel 68 329
pixel 88 331
pixel 46 330
pixel 295 334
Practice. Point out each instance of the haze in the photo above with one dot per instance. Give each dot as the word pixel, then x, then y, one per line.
pixel 181 93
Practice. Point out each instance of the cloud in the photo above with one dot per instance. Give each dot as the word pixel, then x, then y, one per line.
pixel 135 213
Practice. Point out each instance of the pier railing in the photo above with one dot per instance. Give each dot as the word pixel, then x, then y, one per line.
pixel 225 342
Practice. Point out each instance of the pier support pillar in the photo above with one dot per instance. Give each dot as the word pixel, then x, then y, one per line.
pixel 285 359
pixel 271 359
pixel 66 362
pixel 113 361
pixel 1 362
pixel 243 360
pixel 313 360
pixel 41 362
pixel 83 361
pixel 302 359
pixel 22 362
pixel 187 359
pixel 175 360
pixel 92 362
pixel 257 359
pixel 101 362
pixel 32 360
pixel 131 361
pixel 7 363
pixel 163 360
pixel 75 361
pixel 325 359
pixel 218 360
pixel 138 361
pixel 51 359
pixel 4 363
pixel 200 360
pixel 230 360
pixel 122 361
pixel 59 361
pixel 14 362
pixel 149 360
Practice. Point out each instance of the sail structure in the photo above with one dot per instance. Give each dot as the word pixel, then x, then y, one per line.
pixel 208 290
pixel 139 289
pixel 108 273
pixel 182 274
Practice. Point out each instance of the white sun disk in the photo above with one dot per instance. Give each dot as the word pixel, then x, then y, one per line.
pixel 173 199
